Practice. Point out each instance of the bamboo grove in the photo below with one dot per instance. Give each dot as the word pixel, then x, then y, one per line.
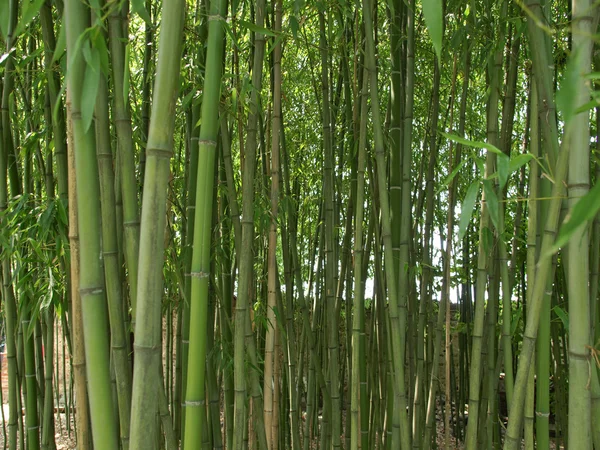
pixel 285 224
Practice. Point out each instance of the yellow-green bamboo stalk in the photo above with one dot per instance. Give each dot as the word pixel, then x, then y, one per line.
pixel 148 331
pixel 269 382
pixel 201 255
pixel 543 272
pixel 122 119
pixel 243 338
pixel 358 307
pixel 580 360
pixel 82 418
pixel 91 281
pixel 113 282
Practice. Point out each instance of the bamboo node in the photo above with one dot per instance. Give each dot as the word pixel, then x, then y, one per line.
pixel 541 414
pixel 191 403
pixel 215 17
pixel 160 153
pixel 199 274
pixel 207 142
pixel 91 291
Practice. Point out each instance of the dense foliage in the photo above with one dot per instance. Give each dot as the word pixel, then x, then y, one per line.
pixel 293 224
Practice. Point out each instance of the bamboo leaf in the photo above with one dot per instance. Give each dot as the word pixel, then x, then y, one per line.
pixel 480 163
pixel 488 240
pixel 567 94
pixel 294 25
pixel 61 44
pixel 492 203
pixel 518 161
pixel 450 177
pixel 138 7
pixel 503 164
pixel 563 316
pixel 587 106
pixel 515 321
pixel 432 10
pixel 100 44
pixel 5 56
pixel 467 208
pixel 475 144
pixel 255 28
pixel 583 211
pixel 30 10
pixel 126 72
pixel 89 91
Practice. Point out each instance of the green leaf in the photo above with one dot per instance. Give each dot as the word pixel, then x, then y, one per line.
pixel 515 321
pixel 187 99
pixel 126 72
pixel 295 26
pixel 5 56
pixel 567 94
pixel 450 177
pixel 255 28
pixel 503 164
pixel 480 163
pixel 61 43
pixel 432 10
pixel 491 201
pixel 138 7
pixel 467 208
pixel 488 240
pixel 475 144
pixel 584 210
pixel 518 161
pixel 30 10
pixel 91 80
pixel 563 316
pixel 100 44
pixel 587 106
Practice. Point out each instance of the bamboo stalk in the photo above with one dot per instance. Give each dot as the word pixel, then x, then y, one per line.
pixel 147 347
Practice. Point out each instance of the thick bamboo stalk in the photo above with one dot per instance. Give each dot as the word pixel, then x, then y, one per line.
pixel 82 418
pixel 201 255
pixel 112 272
pixel 91 287
pixel 147 347
pixel 580 361
pixel 122 119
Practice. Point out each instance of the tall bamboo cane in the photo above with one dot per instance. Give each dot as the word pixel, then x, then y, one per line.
pixel 122 119
pixel 270 383
pixel 91 287
pixel 243 332
pixel 147 376
pixel 201 255
pixel 580 361
pixel 113 282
